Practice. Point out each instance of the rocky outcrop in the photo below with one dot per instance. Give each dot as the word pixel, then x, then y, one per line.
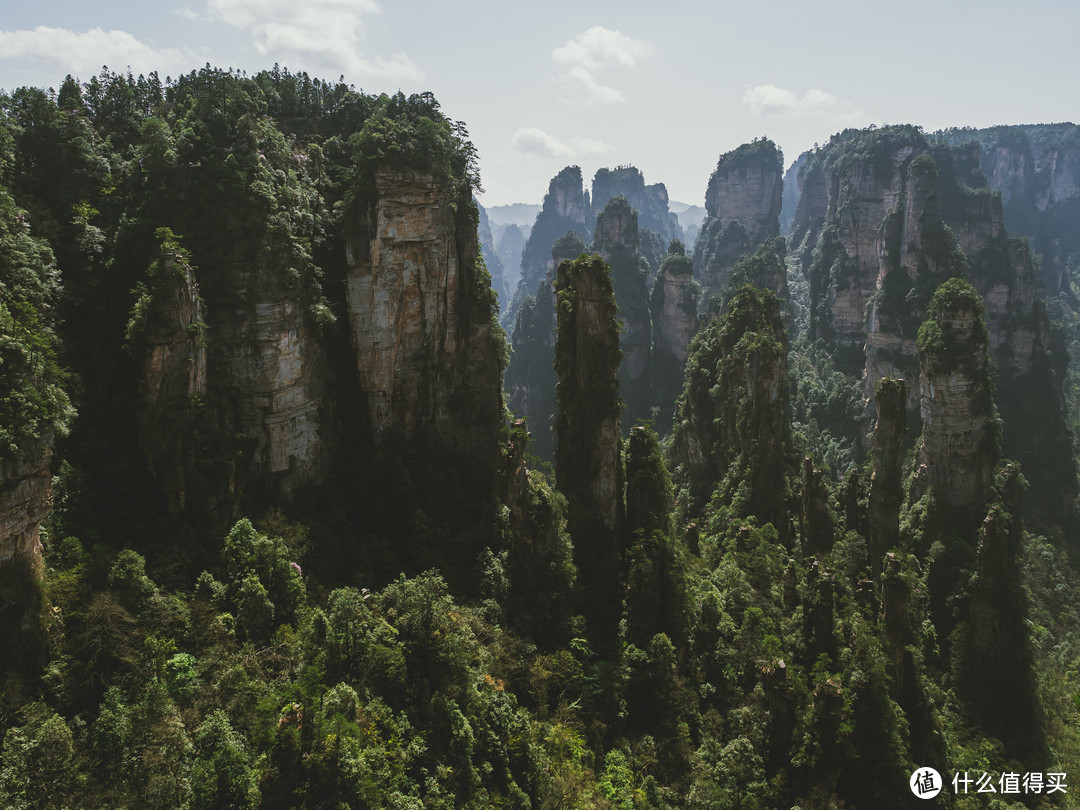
pixel 25 501
pixel 731 423
pixel 420 317
pixel 173 376
pixel 617 242
pixel 1036 168
pixel 674 309
pixel 265 367
pixel 500 280
pixel 530 378
pixel 650 202
pixel 958 451
pixel 588 450
pixel 886 479
pixel 566 210
pixel 509 245
pixel 743 201
pixel 849 187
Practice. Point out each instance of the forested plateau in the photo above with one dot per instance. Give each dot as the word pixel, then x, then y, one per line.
pixel 311 496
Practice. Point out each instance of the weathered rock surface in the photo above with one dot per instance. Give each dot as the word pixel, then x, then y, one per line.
pixel 958 451
pixel 650 202
pixel 566 209
pixel 1037 170
pixel 743 201
pixel 617 242
pixel 25 501
pixel 674 308
pixel 420 321
pixel 265 366
pixel 173 377
pixel 886 479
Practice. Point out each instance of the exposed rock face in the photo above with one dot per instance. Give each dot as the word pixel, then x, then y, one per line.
pixel 743 202
pixel 617 241
pixel 265 367
pixel 674 308
pixel 886 480
pixel 1037 170
pixel 420 318
pixel 173 378
pixel 25 501
pixel 958 451
pixel 566 210
pixel 848 188
pixel 588 461
pixel 500 281
pixel 791 193
pixel 530 378
pixel 747 188
pixel 509 246
pixel 885 218
pixel 731 424
pixel 650 202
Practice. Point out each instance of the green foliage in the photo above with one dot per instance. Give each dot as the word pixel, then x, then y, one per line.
pixel 33 400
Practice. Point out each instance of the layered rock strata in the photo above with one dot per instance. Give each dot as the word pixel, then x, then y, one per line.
pixel 743 203
pixel 420 316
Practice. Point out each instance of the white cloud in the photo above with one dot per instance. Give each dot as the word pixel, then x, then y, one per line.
pixel 593 50
pixel 537 143
pixel 325 33
pixel 85 52
pixel 769 100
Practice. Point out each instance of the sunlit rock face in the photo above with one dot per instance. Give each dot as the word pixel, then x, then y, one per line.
pixel 743 202
pixel 420 319
pixel 958 451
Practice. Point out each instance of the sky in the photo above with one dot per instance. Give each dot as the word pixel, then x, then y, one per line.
pixel 545 85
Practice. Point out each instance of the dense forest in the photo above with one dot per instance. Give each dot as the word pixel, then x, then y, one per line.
pixel 765 521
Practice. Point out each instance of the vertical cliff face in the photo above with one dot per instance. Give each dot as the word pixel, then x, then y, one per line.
pixel 650 202
pixel 886 482
pixel 958 451
pixel 848 188
pixel 566 209
pixel 509 246
pixel 530 378
pixel 265 368
pixel 420 317
pixel 25 501
pixel 588 460
pixel 743 201
pixel 617 241
pixel 173 375
pixel 731 422
pixel 674 308
pixel 1036 169
pixel 500 280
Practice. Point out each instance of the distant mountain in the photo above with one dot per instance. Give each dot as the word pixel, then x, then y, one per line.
pixel 520 214
pixel 690 218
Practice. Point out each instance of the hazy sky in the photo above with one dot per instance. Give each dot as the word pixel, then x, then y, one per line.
pixel 544 85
